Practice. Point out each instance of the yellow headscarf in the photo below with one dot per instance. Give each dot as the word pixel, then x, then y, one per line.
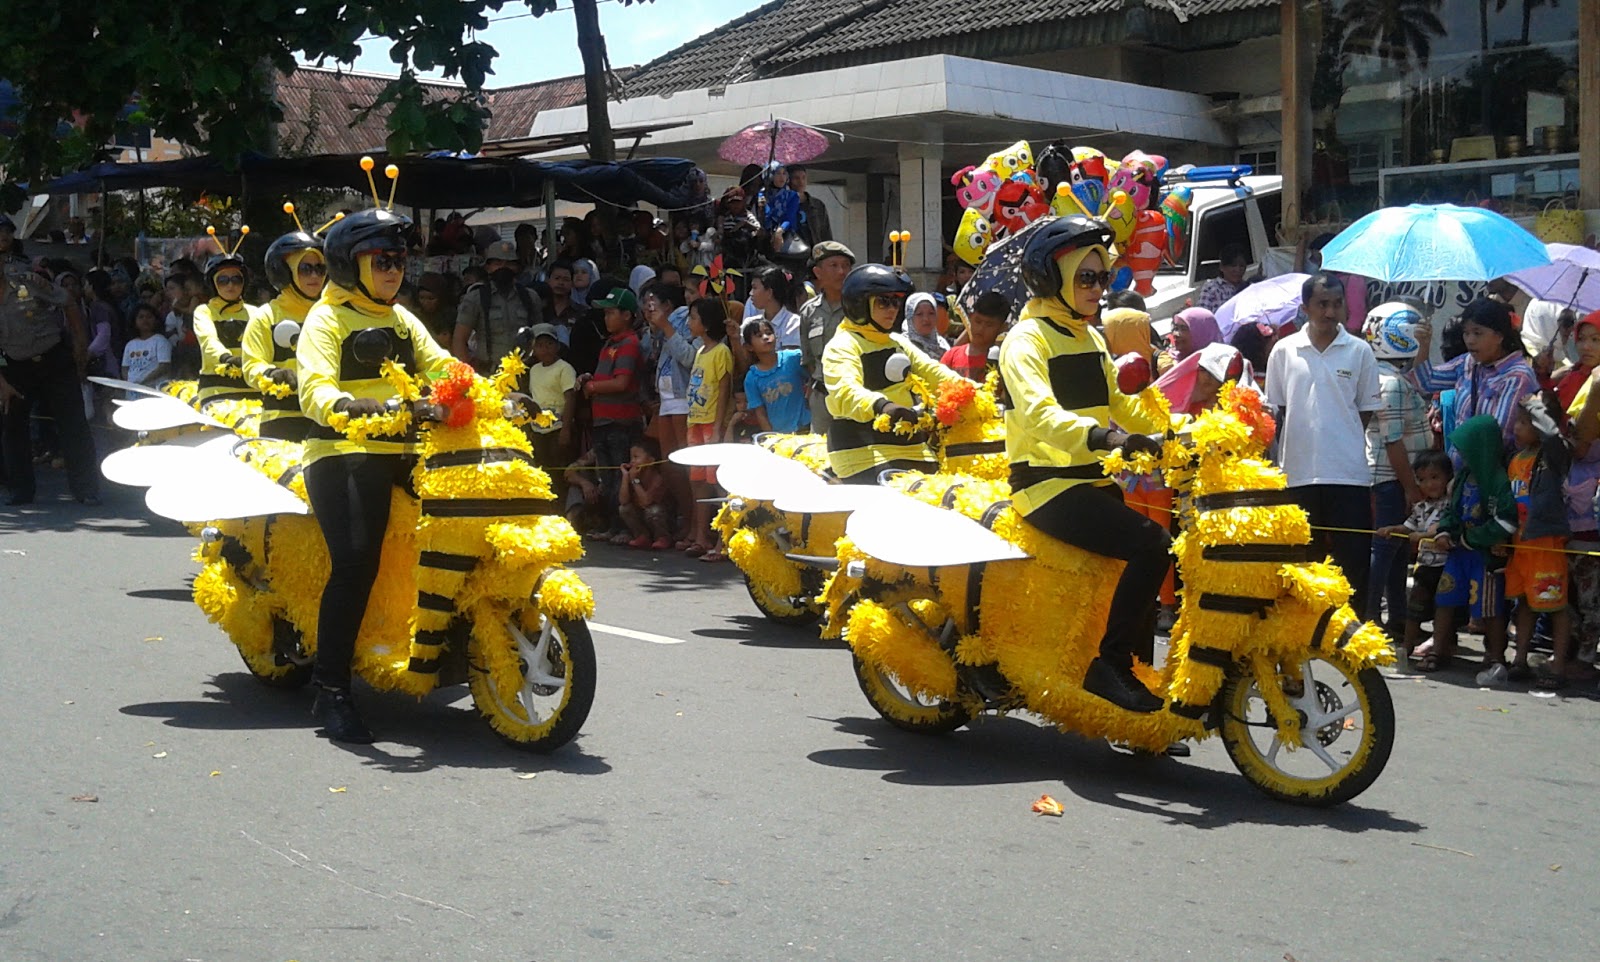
pixel 1127 331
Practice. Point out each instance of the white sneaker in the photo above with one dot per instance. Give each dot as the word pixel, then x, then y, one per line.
pixel 1494 676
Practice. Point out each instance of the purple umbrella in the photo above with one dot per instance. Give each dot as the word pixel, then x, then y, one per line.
pixel 1571 280
pixel 781 140
pixel 1274 301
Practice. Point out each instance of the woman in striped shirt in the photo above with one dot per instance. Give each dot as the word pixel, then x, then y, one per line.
pixel 1491 378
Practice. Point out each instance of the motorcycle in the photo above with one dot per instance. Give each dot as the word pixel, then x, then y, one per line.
pixel 953 607
pixel 472 584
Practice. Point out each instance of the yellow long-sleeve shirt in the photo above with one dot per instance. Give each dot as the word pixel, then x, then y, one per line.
pixel 219 329
pixel 1063 385
pixel 262 355
pixel 329 370
pixel 855 371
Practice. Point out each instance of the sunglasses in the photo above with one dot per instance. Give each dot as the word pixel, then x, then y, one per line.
pixel 385 261
pixel 230 280
pixel 312 269
pixel 887 301
pixel 1089 280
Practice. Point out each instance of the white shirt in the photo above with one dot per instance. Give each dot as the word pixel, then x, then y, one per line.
pixel 1323 394
pixel 786 328
pixel 143 355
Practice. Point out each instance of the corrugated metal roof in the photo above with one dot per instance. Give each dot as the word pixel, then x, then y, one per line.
pixel 783 37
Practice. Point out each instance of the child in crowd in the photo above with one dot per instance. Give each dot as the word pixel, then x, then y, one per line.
pixel 645 504
pixel 553 385
pixel 774 386
pixel 614 392
pixel 585 503
pixel 1536 575
pixel 984 326
pixel 1127 334
pixel 1583 569
pixel 1481 515
pixel 1433 472
pixel 710 401
pixel 1397 433
pixel 148 357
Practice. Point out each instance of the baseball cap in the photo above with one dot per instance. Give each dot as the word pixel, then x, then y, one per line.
pixel 826 249
pixel 619 297
pixel 544 330
pixel 501 251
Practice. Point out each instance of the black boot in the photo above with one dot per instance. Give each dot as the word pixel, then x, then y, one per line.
pixel 1120 686
pixel 335 711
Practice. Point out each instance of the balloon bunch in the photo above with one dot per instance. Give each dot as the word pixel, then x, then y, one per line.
pixel 1008 192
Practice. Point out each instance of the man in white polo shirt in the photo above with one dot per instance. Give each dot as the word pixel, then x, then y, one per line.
pixel 1322 382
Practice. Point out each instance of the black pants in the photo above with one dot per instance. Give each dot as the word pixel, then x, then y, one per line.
pixel 350 496
pixel 1093 517
pixel 612 443
pixel 1342 506
pixel 53 378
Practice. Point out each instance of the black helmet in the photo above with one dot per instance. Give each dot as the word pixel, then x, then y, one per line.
pixel 868 280
pixel 368 230
pixel 277 261
pixel 1040 272
pixel 217 262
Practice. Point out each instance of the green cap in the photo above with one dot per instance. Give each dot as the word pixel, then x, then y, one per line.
pixel 826 249
pixel 619 297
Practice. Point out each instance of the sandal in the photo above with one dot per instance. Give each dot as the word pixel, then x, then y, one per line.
pixel 1549 681
pixel 695 550
pixel 714 555
pixel 1433 661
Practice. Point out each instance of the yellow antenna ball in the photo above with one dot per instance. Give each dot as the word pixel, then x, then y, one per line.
pixel 244 230
pixel 1063 190
pixel 288 207
pixel 391 171
pixel 905 237
pixel 367 163
pixel 211 231
pixel 339 216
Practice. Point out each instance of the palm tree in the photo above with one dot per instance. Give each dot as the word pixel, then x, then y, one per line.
pixel 1398 32
pixel 1528 6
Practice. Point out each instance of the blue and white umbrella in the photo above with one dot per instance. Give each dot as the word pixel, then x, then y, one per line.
pixel 1434 242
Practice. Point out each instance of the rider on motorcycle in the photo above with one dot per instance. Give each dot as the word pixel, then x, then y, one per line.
pixel 353 328
pixel 296 269
pixel 1063 388
pixel 219 326
pixel 865 368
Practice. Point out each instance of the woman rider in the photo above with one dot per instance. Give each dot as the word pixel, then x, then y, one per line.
pixel 296 270
pixel 347 336
pixel 1063 388
pixel 865 368
pixel 219 326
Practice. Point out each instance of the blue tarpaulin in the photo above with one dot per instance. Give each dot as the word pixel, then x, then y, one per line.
pixel 439 183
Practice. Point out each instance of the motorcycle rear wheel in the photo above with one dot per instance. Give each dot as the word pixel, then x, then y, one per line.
pixel 557 686
pixel 295 670
pixel 798 611
pixel 905 710
pixel 1346 733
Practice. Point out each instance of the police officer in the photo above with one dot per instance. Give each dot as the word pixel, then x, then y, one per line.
pixel 296 270
pixel 820 318
pixel 219 326
pixel 347 336
pixel 495 310
pixel 36 361
pixel 865 369
pixel 1063 388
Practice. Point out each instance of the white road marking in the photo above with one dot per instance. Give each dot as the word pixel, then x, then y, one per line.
pixel 635 635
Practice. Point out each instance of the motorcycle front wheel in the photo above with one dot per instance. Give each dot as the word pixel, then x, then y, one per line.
pixel 1346 733
pixel 799 610
pixel 904 709
pixel 554 687
pixel 285 666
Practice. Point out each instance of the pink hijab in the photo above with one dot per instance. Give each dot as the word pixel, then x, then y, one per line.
pixel 1203 329
pixel 1221 361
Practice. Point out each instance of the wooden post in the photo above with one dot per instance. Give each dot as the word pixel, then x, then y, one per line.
pixel 1295 131
pixel 1589 104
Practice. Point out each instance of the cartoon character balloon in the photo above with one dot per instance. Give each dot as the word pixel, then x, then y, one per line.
pixel 1139 176
pixel 1142 253
pixel 1087 175
pixel 1018 204
pixel 973 236
pixel 1175 208
pixel 1119 214
pixel 1008 163
pixel 1066 202
pixel 976 189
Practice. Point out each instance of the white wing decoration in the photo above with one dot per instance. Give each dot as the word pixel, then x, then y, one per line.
pixel 833 498
pixel 904 531
pixel 144 465
pixel 122 385
pixel 715 455
pixel 765 476
pixel 216 486
pixel 160 414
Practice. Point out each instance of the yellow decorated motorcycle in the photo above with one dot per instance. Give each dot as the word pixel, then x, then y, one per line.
pixel 472 585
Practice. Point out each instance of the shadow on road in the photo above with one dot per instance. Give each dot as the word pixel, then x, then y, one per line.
pixel 163 594
pixel 757 631
pixel 663 571
pixel 414 736
pixel 122 511
pixel 1010 750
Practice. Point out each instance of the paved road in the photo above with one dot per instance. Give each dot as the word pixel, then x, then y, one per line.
pixel 731 797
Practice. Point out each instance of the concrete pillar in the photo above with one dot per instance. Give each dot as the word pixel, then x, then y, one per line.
pixel 851 230
pixel 1589 104
pixel 875 242
pixel 1298 61
pixel 921 209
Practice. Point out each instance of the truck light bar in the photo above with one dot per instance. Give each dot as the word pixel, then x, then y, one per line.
pixel 1231 175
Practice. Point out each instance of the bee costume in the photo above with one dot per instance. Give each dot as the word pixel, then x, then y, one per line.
pixel 269 339
pixel 342 346
pixel 866 367
pixel 219 326
pixel 1063 387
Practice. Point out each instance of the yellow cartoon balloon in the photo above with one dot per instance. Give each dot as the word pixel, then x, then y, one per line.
pixel 1011 161
pixel 973 236
pixel 1120 214
pixel 1066 202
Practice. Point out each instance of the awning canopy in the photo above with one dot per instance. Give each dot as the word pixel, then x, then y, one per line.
pixel 439 183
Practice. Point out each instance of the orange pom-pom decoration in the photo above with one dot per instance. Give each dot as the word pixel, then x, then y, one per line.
pixel 954 396
pixel 1245 405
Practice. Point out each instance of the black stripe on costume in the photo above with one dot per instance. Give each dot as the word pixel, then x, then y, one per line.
pixel 281 353
pixel 1220 657
pixel 1348 633
pixel 290 403
pixel 1027 475
pixel 950 495
pixel 991 514
pixel 456 459
pixel 1244 499
pixel 287 478
pixel 974 596
pixel 847 435
pixel 1235 604
pixel 230 331
pixel 875 369
pixel 428 601
pixel 289 428
pixel 423 666
pixel 448 562
pixel 1078 381
pixel 972 448
pixel 484 507
pixel 1321 629
pixel 1252 553
pixel 1185 710
pixel 393 348
pixel 218 380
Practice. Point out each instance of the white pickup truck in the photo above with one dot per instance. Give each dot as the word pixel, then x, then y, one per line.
pixel 1240 209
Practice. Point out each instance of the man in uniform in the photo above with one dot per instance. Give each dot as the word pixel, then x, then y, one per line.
pixel 36 361
pixel 819 319
pixel 494 310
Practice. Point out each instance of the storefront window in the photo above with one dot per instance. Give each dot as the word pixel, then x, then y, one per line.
pixel 1443 100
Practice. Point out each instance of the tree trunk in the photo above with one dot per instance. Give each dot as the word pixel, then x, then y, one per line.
pixel 596 67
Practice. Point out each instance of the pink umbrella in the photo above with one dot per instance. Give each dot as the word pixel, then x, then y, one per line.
pixel 784 141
